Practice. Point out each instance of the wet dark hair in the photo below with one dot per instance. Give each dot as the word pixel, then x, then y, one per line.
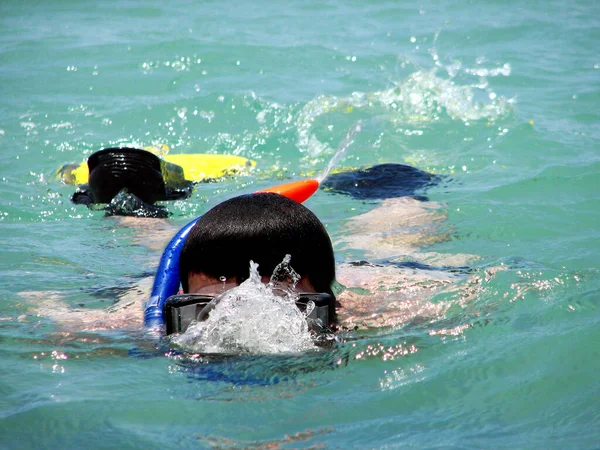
pixel 262 228
pixel 382 181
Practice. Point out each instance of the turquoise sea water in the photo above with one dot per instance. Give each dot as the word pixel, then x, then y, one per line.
pixel 501 97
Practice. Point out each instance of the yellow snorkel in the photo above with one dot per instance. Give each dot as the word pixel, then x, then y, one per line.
pixel 197 167
pixel 129 180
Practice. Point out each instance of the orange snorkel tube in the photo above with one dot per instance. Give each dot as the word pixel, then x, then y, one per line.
pixel 167 282
pixel 296 190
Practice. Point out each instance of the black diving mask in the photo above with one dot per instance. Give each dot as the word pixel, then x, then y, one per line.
pixel 182 309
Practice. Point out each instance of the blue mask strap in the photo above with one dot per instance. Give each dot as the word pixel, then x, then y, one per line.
pixel 167 281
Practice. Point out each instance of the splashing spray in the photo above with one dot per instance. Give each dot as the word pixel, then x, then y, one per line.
pixel 253 318
pixel 347 142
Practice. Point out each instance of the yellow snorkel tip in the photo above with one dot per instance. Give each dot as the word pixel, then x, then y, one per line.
pixel 296 190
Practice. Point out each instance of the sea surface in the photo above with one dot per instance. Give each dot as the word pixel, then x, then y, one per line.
pixel 501 98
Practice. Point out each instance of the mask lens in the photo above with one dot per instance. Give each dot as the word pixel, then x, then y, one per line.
pixel 183 309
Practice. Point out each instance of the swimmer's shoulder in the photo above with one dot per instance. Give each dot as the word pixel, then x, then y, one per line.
pixel 389 295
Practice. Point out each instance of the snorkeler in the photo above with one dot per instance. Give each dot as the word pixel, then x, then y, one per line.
pixel 263 228
pixel 129 181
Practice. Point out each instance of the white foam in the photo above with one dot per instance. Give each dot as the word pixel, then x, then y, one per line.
pixel 423 97
pixel 250 318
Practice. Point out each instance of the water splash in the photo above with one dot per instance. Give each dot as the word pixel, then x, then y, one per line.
pixel 250 318
pixel 284 277
pixel 424 97
pixel 456 67
pixel 347 142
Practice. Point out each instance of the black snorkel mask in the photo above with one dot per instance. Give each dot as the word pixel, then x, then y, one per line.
pixel 182 309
